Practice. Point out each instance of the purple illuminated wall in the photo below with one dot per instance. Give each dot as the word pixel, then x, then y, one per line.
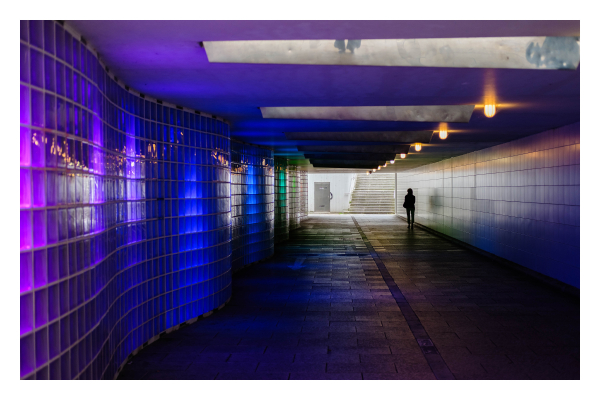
pixel 518 200
pixel 125 220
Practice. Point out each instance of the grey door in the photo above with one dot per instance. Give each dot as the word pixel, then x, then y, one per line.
pixel 322 196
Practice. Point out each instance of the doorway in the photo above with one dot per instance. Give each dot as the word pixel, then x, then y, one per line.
pixel 322 196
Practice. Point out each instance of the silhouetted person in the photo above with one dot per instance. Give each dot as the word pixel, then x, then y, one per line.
pixel 409 204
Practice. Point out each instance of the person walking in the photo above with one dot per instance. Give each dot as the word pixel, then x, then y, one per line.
pixel 409 204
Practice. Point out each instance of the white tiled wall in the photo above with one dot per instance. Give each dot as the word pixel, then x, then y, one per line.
pixel 518 200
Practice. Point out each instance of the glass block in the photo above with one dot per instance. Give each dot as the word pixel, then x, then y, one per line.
pixel 36 68
pixel 41 307
pixel 54 365
pixel 50 111
pixel 26 313
pixel 37 108
pixel 24 106
pixel 25 188
pixel 39 228
pixel 24 30
pixel 60 78
pixel 49 74
pixel 24 71
pixel 27 345
pixel 52 226
pixel 38 148
pixel 36 33
pixel 25 221
pixel 40 268
pixel 25 146
pixel 54 340
pixel 49 36
pixel 26 271
pixel 51 150
pixel 39 188
pixel 53 264
pixel 41 347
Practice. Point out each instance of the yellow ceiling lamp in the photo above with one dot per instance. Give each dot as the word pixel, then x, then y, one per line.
pixel 402 155
pixel 418 146
pixel 443 131
pixel 489 107
pixel 489 110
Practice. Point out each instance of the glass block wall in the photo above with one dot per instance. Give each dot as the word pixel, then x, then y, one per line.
pixel 303 179
pixel 297 196
pixel 252 204
pixel 282 215
pixel 294 197
pixel 518 200
pixel 125 223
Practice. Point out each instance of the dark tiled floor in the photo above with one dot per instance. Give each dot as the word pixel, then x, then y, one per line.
pixel 320 309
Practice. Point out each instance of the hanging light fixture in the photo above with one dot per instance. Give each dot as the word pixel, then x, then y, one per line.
pixel 402 155
pixel 374 169
pixel 443 134
pixel 418 146
pixel 489 110
pixel 385 165
pixel 392 161
pixel 378 168
pixel 368 172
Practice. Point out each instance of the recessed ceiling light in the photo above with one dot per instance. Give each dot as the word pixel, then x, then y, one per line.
pixel 446 113
pixel 534 52
pixel 402 148
pixel 371 136
pixel 350 156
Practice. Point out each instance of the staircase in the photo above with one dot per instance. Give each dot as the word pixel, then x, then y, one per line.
pixel 373 194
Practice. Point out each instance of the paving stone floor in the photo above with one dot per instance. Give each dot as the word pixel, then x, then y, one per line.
pixel 320 309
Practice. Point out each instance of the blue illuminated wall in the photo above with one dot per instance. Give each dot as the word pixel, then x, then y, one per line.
pixel 518 200
pixel 282 215
pixel 125 223
pixel 252 204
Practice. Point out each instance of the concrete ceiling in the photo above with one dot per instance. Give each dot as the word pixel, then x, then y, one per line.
pixel 163 59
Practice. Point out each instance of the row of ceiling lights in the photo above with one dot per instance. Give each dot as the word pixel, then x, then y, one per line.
pixel 489 110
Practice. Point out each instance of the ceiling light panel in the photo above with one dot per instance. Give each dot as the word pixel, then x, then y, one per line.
pixel 351 156
pixel 345 164
pixel 535 52
pixel 387 136
pixel 396 149
pixel 460 113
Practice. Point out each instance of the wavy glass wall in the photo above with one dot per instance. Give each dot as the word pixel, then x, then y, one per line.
pixel 303 184
pixel 294 197
pixel 298 196
pixel 252 204
pixel 125 224
pixel 518 200
pixel 282 215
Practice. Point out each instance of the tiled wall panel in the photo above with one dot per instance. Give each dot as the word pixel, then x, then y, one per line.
pixel 252 204
pixel 125 223
pixel 298 196
pixel 303 184
pixel 294 193
pixel 282 214
pixel 518 200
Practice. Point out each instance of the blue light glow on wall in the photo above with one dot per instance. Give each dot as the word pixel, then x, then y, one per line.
pixel 125 221
pixel 252 204
pixel 282 215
